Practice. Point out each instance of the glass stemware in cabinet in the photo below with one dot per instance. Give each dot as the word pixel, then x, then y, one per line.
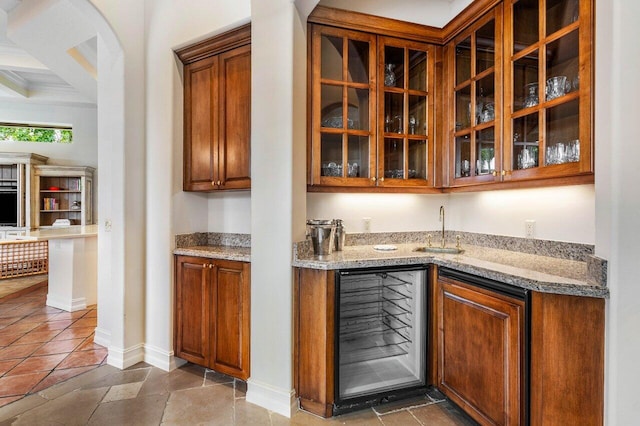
pixel 389 75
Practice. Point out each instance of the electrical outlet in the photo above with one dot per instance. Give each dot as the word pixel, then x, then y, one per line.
pixel 530 228
pixel 367 224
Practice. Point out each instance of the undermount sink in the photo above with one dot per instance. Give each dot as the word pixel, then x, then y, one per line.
pixel 448 250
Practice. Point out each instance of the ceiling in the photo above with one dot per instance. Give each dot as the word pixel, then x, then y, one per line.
pixel 48 51
pixel 61 70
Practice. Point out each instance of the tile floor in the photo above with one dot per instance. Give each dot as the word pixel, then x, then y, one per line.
pixel 190 395
pixel 41 346
pixel 51 372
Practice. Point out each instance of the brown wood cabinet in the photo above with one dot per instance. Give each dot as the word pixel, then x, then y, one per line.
pixel 212 314
pixel 486 366
pixel 481 352
pixel 217 112
pixel 372 111
pixel 504 357
pixel 516 109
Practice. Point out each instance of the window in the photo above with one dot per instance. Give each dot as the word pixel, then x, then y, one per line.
pixel 35 133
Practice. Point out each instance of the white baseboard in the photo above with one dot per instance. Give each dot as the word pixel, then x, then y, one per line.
pixel 102 337
pixel 66 305
pixel 162 359
pixel 125 358
pixel 275 399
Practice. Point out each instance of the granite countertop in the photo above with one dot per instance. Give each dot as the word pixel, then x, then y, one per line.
pixel 535 272
pixel 239 254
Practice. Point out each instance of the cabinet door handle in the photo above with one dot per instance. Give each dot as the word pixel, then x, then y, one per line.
pixel 211 266
pixel 213 183
pixel 218 183
pixel 504 173
pixel 494 173
pixel 373 179
pixel 381 179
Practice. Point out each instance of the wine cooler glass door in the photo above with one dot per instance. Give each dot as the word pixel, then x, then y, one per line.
pixel 381 332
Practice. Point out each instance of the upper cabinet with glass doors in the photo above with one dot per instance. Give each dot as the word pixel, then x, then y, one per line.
pixel 372 115
pixel 548 89
pixel 343 108
pixel 405 120
pixel 475 58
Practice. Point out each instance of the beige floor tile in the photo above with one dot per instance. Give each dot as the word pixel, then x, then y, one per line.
pixel 21 406
pixel 441 414
pixel 303 418
pixel 204 405
pixel 186 377
pixel 250 414
pixel 141 411
pixel 74 408
pixel 120 392
pixel 399 418
pixel 120 377
pixel 86 379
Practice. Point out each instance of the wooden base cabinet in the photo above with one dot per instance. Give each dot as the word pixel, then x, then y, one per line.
pixel 505 360
pixel 314 331
pixel 480 351
pixel 212 308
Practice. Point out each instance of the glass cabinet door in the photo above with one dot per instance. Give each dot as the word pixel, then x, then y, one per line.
pixel 477 102
pixel 548 123
pixel 405 120
pixel 343 116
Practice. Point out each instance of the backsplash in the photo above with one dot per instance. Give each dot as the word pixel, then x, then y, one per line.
pixel 199 239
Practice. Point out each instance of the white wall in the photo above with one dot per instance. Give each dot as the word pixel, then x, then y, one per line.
pixel 171 211
pixel 84 149
pixel 618 199
pixel 230 212
pixel 561 213
pixel 565 213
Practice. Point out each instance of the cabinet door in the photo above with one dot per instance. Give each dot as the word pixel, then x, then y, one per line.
pixel 406 113
pixel 234 148
pixel 548 88
pixel 480 360
pixel 192 311
pixel 343 85
pixel 475 64
pixel 200 125
pixel 230 318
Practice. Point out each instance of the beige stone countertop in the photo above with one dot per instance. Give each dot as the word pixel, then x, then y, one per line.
pixel 530 271
pixel 52 233
pixel 239 254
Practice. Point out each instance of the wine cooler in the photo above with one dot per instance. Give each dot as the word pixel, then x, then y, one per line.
pixel 381 336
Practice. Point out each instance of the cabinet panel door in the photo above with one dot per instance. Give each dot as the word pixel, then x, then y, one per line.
pixel 201 125
pixel 235 119
pixel 230 318
pixel 192 309
pixel 480 352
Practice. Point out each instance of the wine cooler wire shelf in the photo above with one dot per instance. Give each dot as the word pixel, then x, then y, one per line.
pixel 359 285
pixel 391 306
pixel 374 346
pixel 372 324
pixel 375 318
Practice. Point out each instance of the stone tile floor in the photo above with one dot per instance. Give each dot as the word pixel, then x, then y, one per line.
pixel 41 346
pixel 52 373
pixel 190 395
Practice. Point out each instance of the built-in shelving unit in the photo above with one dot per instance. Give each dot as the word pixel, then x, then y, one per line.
pixel 64 192
pixel 16 178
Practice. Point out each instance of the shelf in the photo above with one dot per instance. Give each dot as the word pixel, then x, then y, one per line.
pixel 60 211
pixel 383 344
pixel 61 191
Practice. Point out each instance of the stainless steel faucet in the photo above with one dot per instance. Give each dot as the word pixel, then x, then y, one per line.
pixel 442 220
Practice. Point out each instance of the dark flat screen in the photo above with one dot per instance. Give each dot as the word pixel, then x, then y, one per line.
pixel 8 209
